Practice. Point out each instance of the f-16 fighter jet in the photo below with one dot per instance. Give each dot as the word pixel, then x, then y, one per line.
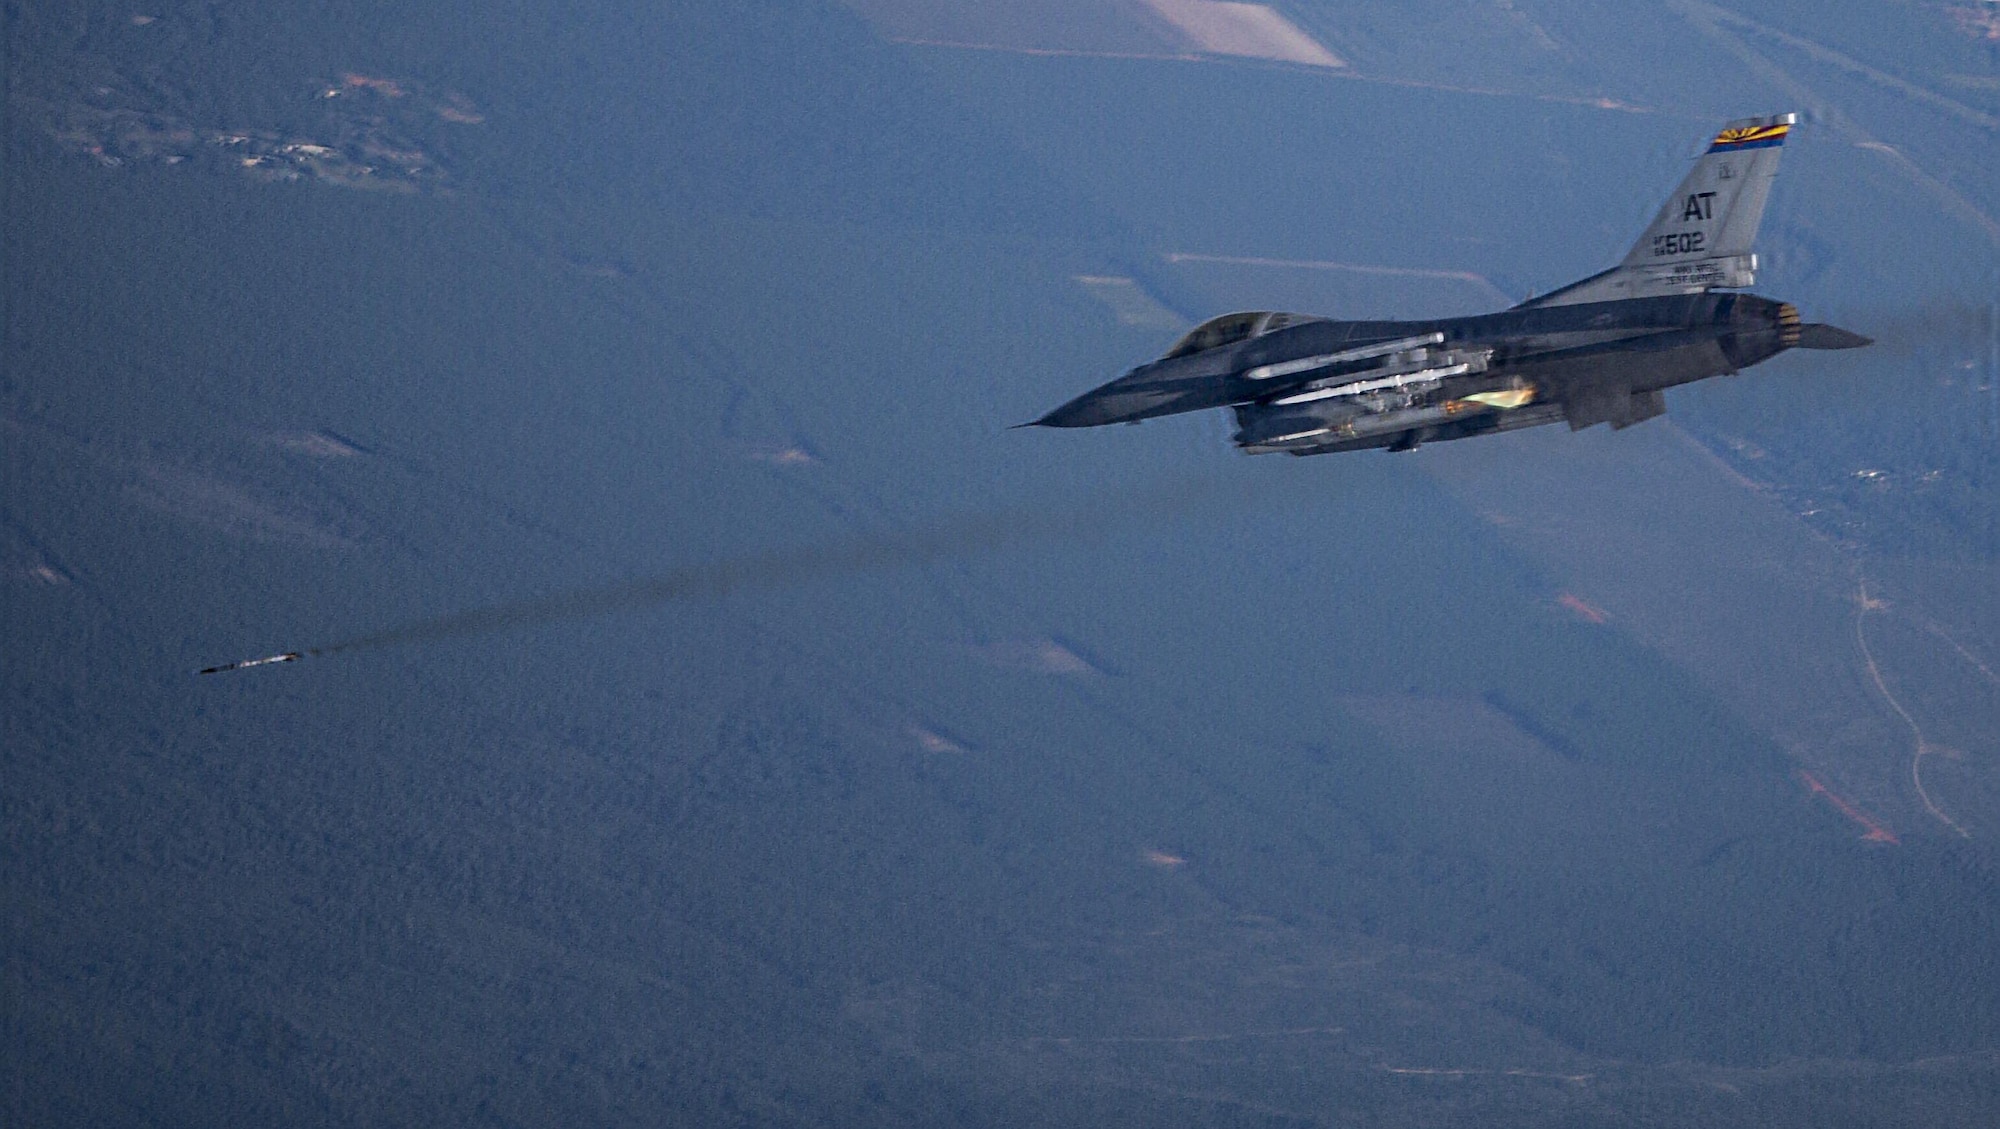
pixel 1597 351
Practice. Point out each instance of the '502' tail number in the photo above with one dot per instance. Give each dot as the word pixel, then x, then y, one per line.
pixel 1679 243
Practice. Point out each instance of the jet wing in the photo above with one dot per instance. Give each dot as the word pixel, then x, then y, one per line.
pixel 1406 361
pixel 1304 366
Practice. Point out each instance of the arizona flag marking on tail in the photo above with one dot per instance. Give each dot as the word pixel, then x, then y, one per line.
pixel 1750 137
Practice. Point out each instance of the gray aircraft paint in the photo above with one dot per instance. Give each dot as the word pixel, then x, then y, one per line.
pixel 1601 350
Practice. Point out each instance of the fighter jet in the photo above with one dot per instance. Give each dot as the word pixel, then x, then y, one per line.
pixel 1602 350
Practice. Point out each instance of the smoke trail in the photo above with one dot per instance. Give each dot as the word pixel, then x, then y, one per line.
pixel 775 569
pixel 779 568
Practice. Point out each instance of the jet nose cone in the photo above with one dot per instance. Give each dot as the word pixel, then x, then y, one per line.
pixel 1134 396
pixel 1084 411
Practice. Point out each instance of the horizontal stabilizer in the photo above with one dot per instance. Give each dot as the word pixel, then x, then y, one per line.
pixel 1817 336
pixel 1619 407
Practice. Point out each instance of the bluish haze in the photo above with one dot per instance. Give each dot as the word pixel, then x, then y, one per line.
pixel 719 717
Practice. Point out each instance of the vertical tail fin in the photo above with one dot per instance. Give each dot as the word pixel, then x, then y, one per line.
pixel 1715 212
pixel 1703 235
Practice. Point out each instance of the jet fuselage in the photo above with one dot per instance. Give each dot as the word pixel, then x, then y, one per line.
pixel 1602 353
pixel 1600 350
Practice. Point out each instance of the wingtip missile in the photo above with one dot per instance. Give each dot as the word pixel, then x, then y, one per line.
pixel 287 657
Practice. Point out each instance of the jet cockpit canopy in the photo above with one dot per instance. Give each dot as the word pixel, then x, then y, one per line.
pixel 1231 328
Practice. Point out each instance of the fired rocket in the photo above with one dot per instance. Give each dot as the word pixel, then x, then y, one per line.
pixel 287 657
